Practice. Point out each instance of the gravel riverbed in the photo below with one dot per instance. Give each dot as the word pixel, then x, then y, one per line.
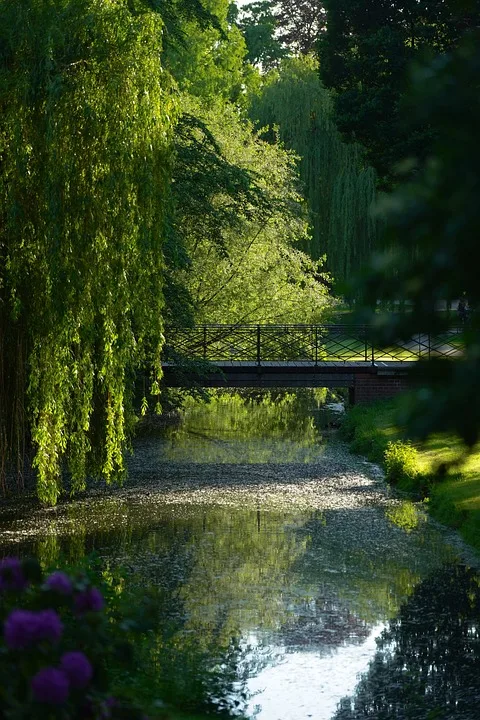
pixel 337 479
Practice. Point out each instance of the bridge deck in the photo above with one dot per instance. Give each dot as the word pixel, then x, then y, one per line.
pixel 296 355
pixel 287 365
pixel 288 374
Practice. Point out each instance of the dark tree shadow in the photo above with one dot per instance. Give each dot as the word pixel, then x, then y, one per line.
pixel 427 666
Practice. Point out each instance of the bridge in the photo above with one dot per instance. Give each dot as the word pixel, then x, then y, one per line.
pixel 292 356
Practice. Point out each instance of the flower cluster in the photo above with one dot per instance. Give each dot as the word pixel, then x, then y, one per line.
pixel 24 628
pixel 52 685
pixel 11 575
pixel 55 634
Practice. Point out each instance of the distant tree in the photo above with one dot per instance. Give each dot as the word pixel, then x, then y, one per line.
pixel 208 62
pixel 259 25
pixel 364 57
pixel 292 106
pixel 276 28
pixel 299 23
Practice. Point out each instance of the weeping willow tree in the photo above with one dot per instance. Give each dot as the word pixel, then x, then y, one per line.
pixel 86 112
pixel 293 106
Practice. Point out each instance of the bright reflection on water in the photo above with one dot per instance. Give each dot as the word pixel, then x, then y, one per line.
pixel 274 560
pixel 311 678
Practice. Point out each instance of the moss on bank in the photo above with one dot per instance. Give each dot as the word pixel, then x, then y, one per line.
pixel 439 470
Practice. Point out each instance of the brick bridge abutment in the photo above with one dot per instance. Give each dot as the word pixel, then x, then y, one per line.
pixel 377 384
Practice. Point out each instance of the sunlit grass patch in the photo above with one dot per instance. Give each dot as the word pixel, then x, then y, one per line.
pixel 447 450
pixel 446 471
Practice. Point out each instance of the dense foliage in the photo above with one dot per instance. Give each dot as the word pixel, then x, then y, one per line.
pixel 299 23
pixel 338 184
pixel 208 62
pixel 274 28
pixel 433 224
pixel 243 248
pixel 365 55
pixel 86 115
pixel 258 25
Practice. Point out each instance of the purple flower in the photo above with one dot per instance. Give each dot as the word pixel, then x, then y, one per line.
pixel 20 629
pixel 59 582
pixel 77 668
pixel 89 600
pixel 24 628
pixel 11 574
pixel 50 685
pixel 49 626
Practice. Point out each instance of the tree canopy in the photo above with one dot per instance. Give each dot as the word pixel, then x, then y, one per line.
pixel 364 58
pixel 258 25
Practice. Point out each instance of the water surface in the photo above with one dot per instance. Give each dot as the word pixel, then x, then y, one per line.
pixel 278 567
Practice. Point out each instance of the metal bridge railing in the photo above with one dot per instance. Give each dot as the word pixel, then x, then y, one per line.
pixel 303 343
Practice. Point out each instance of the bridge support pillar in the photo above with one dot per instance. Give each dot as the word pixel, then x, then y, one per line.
pixel 378 385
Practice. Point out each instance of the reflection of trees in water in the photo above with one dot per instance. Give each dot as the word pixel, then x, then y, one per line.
pixel 427 665
pixel 264 426
pixel 363 563
pixel 324 624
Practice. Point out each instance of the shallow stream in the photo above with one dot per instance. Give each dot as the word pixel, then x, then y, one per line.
pixel 281 567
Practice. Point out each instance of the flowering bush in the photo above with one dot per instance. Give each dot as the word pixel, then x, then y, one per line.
pixel 57 648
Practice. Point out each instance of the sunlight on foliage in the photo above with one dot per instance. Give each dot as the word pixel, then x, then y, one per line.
pixel 84 133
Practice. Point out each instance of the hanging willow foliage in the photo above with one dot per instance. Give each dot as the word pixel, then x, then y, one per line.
pixel 339 186
pixel 85 120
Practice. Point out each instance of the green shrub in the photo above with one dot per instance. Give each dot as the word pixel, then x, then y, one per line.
pixel 363 428
pixel 401 462
pixel 60 646
pixel 405 515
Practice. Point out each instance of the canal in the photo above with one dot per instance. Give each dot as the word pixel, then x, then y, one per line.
pixel 287 582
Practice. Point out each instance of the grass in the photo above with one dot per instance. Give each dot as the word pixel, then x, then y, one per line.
pixel 351 349
pixel 446 474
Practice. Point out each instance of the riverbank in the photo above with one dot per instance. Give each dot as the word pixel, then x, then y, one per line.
pixel 438 471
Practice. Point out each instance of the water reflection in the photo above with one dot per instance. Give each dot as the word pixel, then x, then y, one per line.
pixel 267 604
pixel 428 659
pixel 257 428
